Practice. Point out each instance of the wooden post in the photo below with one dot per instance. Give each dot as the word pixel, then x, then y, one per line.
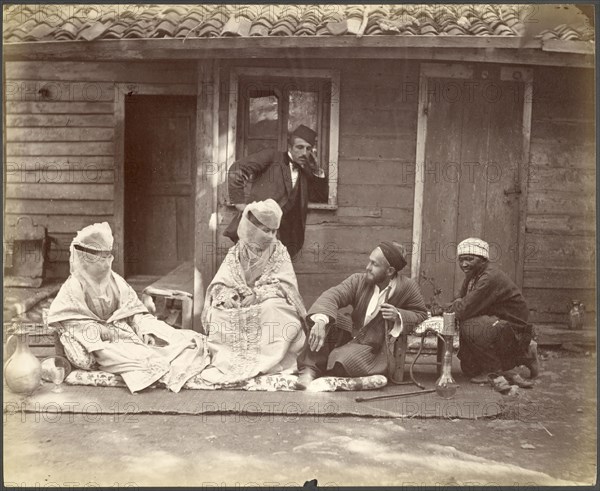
pixel 415 266
pixel 524 76
pixel 205 250
pixel 524 177
pixel 119 191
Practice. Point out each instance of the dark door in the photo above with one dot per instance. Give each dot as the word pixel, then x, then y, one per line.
pixel 472 163
pixel 159 182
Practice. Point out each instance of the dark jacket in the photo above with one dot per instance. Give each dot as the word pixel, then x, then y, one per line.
pixel 269 175
pixel 357 292
pixel 492 293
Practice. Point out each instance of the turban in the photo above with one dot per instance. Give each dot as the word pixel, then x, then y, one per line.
pixel 304 132
pixel 473 246
pixel 266 212
pixel 394 253
pixel 95 238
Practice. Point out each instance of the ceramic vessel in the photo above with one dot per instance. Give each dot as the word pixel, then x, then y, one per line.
pixel 576 314
pixel 23 371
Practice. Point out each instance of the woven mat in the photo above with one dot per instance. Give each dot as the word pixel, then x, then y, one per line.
pixel 470 402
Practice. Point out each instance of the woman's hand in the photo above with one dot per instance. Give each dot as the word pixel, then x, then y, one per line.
pixel 109 333
pixel 249 300
pixel 149 339
pixel 229 303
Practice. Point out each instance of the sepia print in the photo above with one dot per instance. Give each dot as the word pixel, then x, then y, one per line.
pixel 299 246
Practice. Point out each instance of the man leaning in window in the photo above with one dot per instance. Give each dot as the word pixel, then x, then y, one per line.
pixel 291 178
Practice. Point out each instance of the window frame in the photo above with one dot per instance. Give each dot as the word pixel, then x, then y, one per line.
pixel 330 76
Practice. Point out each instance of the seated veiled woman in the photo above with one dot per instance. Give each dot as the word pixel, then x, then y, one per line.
pixel 98 312
pixel 253 311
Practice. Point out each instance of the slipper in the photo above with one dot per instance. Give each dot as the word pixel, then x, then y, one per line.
pixel 482 378
pixel 499 383
pixel 331 384
pixel 520 381
pixel 514 391
pixel 305 378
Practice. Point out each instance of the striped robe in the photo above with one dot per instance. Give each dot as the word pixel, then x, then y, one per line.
pixel 365 353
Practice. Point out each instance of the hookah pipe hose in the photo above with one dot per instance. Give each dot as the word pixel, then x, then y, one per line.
pixel 423 390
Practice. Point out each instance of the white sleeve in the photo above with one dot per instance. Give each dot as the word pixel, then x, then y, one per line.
pixel 398 326
pixel 319 317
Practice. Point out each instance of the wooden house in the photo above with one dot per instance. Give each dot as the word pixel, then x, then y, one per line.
pixel 435 123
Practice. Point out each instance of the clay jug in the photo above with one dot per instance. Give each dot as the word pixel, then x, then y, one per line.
pixel 23 371
pixel 576 314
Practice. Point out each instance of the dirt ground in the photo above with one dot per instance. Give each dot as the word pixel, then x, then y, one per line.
pixel 545 436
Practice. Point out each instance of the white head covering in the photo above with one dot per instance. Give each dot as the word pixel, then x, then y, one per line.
pixel 266 212
pixel 474 246
pixel 256 245
pixel 97 237
pixel 92 269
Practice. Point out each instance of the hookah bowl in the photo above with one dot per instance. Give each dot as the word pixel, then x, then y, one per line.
pixel 446 386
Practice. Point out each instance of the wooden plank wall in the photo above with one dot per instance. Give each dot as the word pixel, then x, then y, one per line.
pixel 60 124
pixel 60 167
pixel 378 120
pixel 560 252
pixel 375 178
pixel 378 126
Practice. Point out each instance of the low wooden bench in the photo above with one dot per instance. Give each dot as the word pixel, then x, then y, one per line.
pixel 171 298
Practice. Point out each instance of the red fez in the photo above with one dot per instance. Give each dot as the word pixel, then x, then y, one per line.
pixel 394 254
pixel 306 134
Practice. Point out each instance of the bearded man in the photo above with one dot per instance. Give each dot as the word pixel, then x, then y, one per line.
pixel 380 297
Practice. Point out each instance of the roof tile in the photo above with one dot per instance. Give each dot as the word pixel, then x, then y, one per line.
pixel 94 31
pixel 211 28
pixel 39 31
pixel 117 29
pixel 237 26
pixel 175 11
pixel 196 16
pixel 86 22
pixel 134 32
pixel 283 29
pixel 165 28
pixel 259 30
pixel 68 29
pixel 338 28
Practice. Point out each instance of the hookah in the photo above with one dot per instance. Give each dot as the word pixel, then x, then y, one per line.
pixel 445 385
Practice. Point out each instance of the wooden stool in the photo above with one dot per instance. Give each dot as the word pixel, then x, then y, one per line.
pixel 171 298
pixel 400 349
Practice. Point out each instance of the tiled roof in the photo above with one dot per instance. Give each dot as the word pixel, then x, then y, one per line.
pixel 30 23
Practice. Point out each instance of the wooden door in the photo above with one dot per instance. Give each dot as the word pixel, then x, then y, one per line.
pixel 473 152
pixel 159 182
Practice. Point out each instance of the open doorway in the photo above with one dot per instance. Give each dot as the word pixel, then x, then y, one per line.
pixel 159 183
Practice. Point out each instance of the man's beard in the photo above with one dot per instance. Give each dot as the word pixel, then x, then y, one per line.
pixel 372 279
